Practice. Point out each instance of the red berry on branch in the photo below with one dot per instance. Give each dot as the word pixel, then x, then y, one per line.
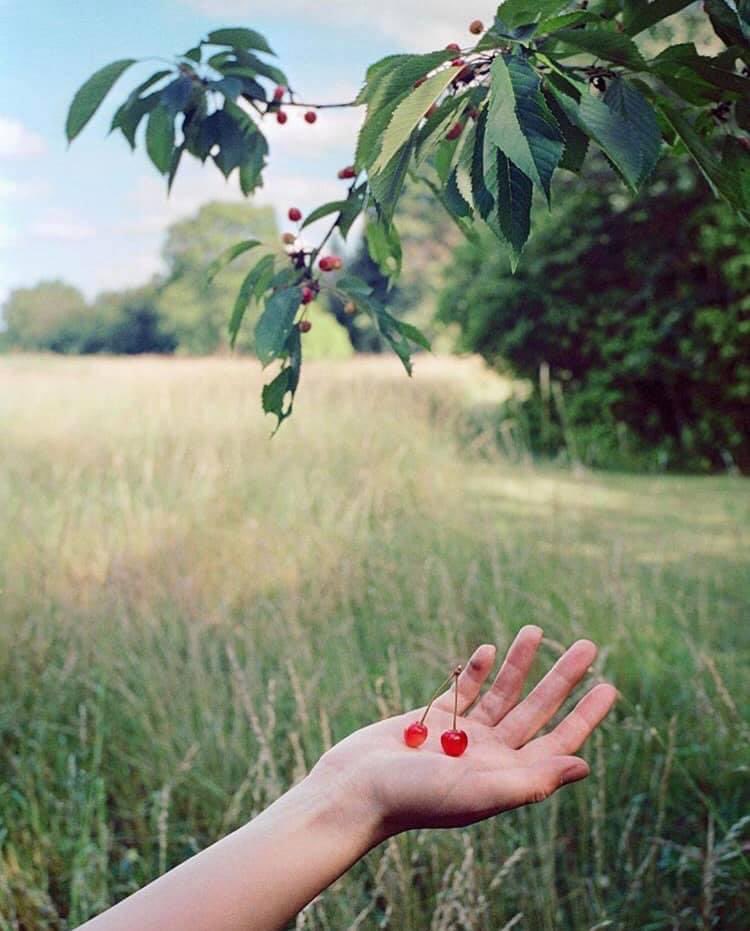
pixel 330 263
pixel 464 75
pixel 350 308
pixel 457 62
pixel 278 94
pixel 311 116
pixel 454 742
pixel 455 131
pixel 295 214
pixel 281 117
pixel 304 326
pixel 415 735
pixel 453 47
pixel 308 295
pixel 289 239
pixel 476 27
pixel 348 172
pixel 419 82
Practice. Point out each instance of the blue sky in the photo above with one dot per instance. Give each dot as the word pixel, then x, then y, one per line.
pixel 95 214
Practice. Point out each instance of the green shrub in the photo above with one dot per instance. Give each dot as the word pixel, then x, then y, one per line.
pixel 639 308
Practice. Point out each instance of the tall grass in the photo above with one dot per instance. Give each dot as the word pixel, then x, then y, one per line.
pixel 190 614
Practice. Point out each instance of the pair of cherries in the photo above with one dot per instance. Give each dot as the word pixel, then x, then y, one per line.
pixel 454 742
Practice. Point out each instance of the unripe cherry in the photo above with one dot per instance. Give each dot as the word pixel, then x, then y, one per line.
pixel 295 214
pixel 455 131
pixel 278 94
pixel 348 172
pixel 308 295
pixel 311 116
pixel 350 308
pixel 289 239
pixel 281 117
pixel 453 47
pixel 476 27
pixel 304 326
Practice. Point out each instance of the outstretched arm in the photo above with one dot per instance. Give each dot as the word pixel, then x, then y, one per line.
pixel 372 786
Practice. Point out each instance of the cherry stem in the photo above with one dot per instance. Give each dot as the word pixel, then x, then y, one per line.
pixel 455 696
pixel 438 690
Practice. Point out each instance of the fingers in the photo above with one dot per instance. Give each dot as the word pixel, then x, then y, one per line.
pixel 503 790
pixel 508 684
pixel 574 730
pixel 470 681
pixel 520 724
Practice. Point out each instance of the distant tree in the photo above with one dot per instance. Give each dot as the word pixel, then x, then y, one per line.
pixel 196 313
pixel 45 316
pixel 129 323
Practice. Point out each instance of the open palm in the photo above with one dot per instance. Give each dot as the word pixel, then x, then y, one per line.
pixel 506 765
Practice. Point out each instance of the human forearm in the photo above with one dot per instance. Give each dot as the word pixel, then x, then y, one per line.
pixel 264 873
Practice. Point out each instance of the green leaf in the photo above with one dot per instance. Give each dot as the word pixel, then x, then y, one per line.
pixel 567 21
pixel 454 199
pixel 384 247
pixel 229 255
pixel 129 115
pixel 519 12
pixel 626 100
pixel 160 138
pixel 697 78
pixel 90 95
pixel 274 395
pixel 353 287
pixel 414 334
pixel 727 24
pixel 576 141
pixel 642 15
pixel 275 324
pixel 387 185
pixel 325 210
pixel 174 164
pixel 194 54
pixel 175 96
pixel 611 46
pixel 253 163
pixel 254 285
pixel 482 198
pixel 240 38
pixel 247 65
pixel 511 190
pixel 519 122
pixel 409 113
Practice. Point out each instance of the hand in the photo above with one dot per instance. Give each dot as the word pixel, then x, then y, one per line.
pixel 505 765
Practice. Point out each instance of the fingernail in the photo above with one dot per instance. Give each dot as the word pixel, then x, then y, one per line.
pixel 574 773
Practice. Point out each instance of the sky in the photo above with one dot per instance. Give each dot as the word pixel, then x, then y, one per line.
pixel 95 214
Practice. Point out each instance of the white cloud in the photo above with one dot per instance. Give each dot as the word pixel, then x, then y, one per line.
pixel 62 225
pixel 17 141
pixel 412 23
pixel 21 190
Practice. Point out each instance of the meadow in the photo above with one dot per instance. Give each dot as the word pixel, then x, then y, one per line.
pixel 191 613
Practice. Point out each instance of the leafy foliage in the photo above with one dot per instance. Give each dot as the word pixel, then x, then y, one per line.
pixel 641 315
pixel 544 85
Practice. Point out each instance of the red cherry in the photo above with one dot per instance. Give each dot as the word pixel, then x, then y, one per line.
pixel 455 131
pixel 304 326
pixel 457 62
pixel 311 116
pixel 308 295
pixel 476 27
pixel 454 742
pixel 453 47
pixel 464 75
pixel 281 117
pixel 278 94
pixel 415 734
pixel 330 263
pixel 295 214
pixel 419 82
pixel 348 172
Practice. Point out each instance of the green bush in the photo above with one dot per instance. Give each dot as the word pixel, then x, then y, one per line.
pixel 641 311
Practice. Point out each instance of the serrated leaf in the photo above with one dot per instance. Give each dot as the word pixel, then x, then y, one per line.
pixel 128 117
pixel 626 100
pixel 567 21
pixel 160 138
pixel 384 247
pixel 229 255
pixel 520 123
pixel 483 200
pixel 727 24
pixel 275 324
pixel 91 93
pixel 697 78
pixel 240 38
pixel 576 142
pixel 454 198
pixel 253 162
pixel 611 46
pixel 511 190
pixel 409 113
pixel 387 185
pixel 254 285
pixel 274 395
pixel 414 334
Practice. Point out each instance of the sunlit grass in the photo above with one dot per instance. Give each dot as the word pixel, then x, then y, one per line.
pixel 190 613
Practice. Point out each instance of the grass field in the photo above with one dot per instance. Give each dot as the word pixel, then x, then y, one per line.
pixel 190 614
